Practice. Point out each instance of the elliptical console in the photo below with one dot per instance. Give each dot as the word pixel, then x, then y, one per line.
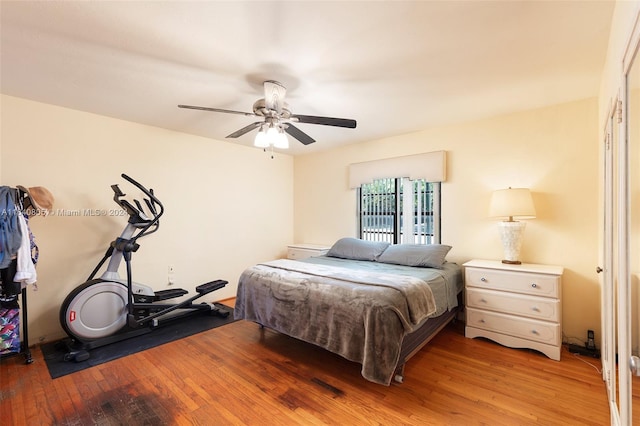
pixel 108 309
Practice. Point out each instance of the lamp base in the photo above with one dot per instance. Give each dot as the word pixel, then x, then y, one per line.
pixel 511 236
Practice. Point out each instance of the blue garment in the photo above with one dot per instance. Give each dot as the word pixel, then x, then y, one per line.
pixel 10 233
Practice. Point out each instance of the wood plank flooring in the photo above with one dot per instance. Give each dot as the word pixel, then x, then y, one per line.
pixel 241 374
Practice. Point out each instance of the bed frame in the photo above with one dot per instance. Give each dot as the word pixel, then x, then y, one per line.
pixel 416 340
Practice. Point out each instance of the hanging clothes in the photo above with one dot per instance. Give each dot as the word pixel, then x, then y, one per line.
pixel 10 232
pixel 35 200
pixel 25 268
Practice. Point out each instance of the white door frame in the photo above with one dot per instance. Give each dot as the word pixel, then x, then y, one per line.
pixel 607 283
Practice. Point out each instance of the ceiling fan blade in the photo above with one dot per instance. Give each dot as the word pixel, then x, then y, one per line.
pixel 274 94
pixel 299 134
pixel 228 111
pixel 326 121
pixel 245 129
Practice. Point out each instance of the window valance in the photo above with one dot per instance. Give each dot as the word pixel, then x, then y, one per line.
pixel 430 166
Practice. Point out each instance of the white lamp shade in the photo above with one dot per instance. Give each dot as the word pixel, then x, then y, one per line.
pixel 261 140
pixel 512 203
pixel 281 141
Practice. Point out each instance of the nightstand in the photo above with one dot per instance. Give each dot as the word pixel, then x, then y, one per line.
pixel 302 251
pixel 518 306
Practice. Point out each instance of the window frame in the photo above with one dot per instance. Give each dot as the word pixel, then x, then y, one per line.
pixel 397 235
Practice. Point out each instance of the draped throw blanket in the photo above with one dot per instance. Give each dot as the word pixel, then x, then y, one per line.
pixel 360 315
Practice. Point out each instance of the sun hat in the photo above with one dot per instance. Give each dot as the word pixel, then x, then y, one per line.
pixel 41 199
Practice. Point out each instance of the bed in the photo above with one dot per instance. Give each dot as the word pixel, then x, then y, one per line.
pixel 370 302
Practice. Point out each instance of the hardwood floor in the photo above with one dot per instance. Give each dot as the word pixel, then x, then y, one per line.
pixel 241 374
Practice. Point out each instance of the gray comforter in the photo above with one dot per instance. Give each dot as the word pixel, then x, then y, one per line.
pixel 357 309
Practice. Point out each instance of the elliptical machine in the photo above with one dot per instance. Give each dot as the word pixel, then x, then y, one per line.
pixel 109 309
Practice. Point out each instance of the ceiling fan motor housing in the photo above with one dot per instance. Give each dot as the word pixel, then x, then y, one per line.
pixel 260 108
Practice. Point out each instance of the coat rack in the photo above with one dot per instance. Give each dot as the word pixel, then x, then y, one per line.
pixel 18 257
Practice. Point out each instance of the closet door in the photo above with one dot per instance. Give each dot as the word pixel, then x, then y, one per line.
pixel 633 277
pixel 620 257
pixel 609 261
pixel 627 237
pixel 631 292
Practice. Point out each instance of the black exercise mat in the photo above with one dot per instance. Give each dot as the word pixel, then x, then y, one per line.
pixel 188 326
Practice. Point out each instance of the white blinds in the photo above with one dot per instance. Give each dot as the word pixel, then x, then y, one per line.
pixel 430 166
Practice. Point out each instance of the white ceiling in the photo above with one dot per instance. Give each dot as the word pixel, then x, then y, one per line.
pixel 394 66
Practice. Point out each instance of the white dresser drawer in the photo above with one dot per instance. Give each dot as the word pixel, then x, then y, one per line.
pixel 525 328
pixel 518 282
pixel 518 304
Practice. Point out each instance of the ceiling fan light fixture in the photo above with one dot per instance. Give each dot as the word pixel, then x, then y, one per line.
pixel 261 140
pixel 280 140
pixel 271 135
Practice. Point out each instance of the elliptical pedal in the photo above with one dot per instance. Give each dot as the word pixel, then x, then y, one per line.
pixel 220 310
pixel 169 294
pixel 211 286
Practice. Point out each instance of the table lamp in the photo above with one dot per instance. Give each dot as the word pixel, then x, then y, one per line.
pixel 509 204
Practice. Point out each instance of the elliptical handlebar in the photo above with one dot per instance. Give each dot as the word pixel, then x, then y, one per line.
pixel 148 192
pixel 137 216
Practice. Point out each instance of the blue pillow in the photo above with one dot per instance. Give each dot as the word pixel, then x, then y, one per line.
pixel 357 249
pixel 424 255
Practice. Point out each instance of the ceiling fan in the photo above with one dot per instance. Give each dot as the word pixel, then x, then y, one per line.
pixel 278 119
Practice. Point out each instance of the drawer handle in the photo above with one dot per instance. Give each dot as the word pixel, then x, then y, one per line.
pixel 535 332
pixel 534 285
pixel 483 301
pixel 481 321
pixel 483 279
pixel 535 309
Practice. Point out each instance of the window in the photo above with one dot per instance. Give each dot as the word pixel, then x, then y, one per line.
pixel 386 213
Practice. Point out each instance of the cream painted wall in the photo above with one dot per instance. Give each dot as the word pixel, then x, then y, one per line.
pixel 553 151
pixel 227 206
